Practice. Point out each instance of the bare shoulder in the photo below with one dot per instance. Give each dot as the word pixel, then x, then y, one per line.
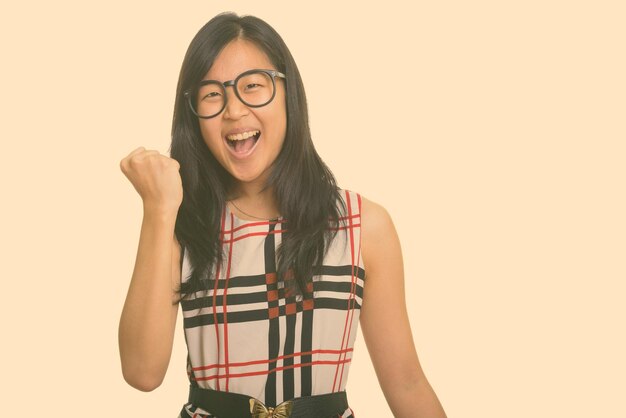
pixel 374 217
pixel 378 234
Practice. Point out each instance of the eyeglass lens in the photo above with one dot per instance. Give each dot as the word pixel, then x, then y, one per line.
pixel 255 89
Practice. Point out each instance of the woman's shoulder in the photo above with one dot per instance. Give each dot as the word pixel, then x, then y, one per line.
pixel 380 243
pixel 375 219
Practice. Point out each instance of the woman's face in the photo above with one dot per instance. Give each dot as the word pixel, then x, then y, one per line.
pixel 251 165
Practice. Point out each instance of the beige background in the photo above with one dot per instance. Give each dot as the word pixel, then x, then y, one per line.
pixel 493 133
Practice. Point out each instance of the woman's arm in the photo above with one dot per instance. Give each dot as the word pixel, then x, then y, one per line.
pixel 385 323
pixel 148 321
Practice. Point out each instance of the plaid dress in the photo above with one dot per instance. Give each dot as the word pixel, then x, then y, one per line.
pixel 247 336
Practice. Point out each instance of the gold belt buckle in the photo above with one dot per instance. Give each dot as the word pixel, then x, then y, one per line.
pixel 259 410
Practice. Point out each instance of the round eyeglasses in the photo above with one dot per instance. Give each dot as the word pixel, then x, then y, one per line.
pixel 255 88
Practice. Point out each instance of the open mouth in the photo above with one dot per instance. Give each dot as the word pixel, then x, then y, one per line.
pixel 243 146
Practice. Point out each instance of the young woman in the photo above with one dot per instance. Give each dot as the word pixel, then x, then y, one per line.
pixel 273 265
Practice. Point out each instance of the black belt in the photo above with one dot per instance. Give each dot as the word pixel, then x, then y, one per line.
pixel 236 405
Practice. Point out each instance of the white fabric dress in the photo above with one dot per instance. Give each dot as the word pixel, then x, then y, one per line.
pixel 247 336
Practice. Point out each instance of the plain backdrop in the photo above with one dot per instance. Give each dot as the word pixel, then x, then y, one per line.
pixel 492 132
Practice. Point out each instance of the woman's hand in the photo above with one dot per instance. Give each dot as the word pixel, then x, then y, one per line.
pixel 385 323
pixel 155 177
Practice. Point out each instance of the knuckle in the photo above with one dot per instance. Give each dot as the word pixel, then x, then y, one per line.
pixel 136 160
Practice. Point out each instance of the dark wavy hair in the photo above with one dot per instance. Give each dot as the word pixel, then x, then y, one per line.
pixel 305 188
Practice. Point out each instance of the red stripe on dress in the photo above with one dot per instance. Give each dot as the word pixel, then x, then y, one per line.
pixel 345 327
pixel 279 221
pixel 251 234
pixel 345 227
pixel 225 305
pixel 276 231
pixel 275 359
pixel 276 369
pixel 353 285
pixel 354 274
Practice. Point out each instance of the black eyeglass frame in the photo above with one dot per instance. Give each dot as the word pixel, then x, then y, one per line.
pixel 272 73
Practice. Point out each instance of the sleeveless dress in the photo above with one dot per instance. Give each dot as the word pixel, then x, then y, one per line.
pixel 247 336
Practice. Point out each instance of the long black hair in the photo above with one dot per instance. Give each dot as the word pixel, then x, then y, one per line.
pixel 304 187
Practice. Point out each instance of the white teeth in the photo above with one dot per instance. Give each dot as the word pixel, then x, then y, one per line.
pixel 241 136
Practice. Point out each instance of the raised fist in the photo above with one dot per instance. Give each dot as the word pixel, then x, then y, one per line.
pixel 155 177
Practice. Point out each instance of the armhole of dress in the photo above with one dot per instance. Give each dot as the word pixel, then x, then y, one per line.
pixel 360 262
pixel 352 215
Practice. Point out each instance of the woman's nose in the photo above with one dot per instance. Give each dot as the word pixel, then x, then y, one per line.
pixel 235 108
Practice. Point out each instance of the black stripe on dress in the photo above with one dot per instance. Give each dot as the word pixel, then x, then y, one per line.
pixel 273 337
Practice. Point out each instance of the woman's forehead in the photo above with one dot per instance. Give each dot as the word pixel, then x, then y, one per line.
pixel 236 57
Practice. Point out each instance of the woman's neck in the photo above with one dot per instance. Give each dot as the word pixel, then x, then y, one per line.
pixel 250 200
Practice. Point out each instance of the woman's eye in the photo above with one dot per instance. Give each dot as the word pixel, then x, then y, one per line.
pixel 211 95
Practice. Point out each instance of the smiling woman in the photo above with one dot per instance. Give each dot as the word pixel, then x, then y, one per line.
pixel 273 264
pixel 249 163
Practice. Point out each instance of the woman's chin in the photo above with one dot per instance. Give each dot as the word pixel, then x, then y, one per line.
pixel 245 177
pixel 256 172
